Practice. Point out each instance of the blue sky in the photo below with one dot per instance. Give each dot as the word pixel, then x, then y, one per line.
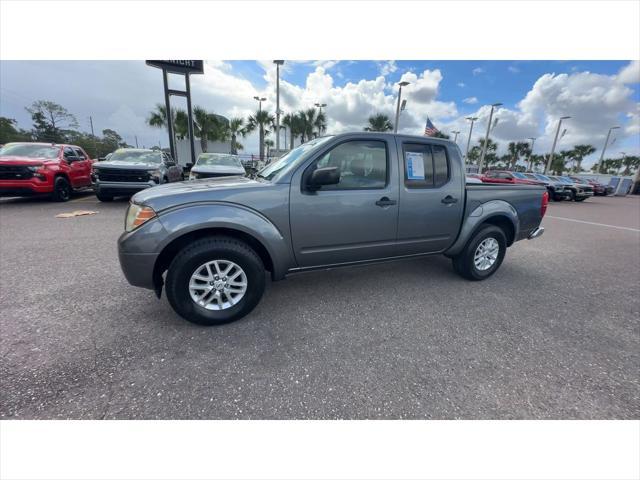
pixel 120 94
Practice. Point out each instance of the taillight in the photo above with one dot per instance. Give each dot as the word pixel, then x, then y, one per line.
pixel 545 202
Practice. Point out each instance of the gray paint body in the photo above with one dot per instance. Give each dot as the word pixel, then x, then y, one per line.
pixel 305 230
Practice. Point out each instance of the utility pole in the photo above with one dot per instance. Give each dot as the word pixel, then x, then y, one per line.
pixel 320 105
pixel 455 138
pixel 553 147
pixel 95 146
pixel 395 126
pixel 606 142
pixel 466 156
pixel 533 140
pixel 486 138
pixel 278 63
pixel 136 137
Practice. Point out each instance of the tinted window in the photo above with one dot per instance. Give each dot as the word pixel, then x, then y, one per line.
pixel 425 165
pixel 362 164
pixel 440 165
pixel 79 153
pixel 69 152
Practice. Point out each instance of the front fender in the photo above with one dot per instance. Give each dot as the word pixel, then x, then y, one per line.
pixel 490 210
pixel 189 218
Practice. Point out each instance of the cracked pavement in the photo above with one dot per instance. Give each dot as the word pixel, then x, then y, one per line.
pixel 554 334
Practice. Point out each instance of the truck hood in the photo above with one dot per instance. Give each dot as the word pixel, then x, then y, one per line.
pixel 13 160
pixel 229 169
pixel 229 189
pixel 126 165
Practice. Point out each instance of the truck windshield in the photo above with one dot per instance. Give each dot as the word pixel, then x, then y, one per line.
pixel 30 150
pixel 542 177
pixel 275 170
pixel 209 159
pixel 136 156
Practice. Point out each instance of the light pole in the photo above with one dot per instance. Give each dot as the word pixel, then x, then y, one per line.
pixel 278 63
pixel 533 140
pixel 402 84
pixel 624 156
pixel 606 142
pixel 260 100
pixel 486 137
pixel 553 147
pixel 455 138
pixel 320 105
pixel 466 156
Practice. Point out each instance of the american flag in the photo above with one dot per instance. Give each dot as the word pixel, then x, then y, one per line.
pixel 430 129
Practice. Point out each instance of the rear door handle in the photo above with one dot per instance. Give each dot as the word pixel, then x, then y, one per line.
pixel 385 202
pixel 449 199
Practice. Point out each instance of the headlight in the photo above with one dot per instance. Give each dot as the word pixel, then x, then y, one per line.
pixel 137 215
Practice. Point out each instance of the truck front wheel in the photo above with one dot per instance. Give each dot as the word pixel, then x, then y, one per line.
pixel 61 190
pixel 482 255
pixel 215 280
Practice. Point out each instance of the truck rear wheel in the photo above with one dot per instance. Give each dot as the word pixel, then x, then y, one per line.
pixel 215 280
pixel 482 255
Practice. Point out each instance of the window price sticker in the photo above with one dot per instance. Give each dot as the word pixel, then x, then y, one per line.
pixel 415 165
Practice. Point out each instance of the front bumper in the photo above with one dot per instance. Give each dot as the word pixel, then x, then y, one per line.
pixel 23 188
pixel 121 188
pixel 138 268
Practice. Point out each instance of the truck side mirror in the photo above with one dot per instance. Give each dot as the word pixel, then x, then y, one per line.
pixel 323 176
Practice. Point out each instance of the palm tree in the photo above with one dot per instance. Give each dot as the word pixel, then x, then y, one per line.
pixel 262 120
pixel 631 163
pixel 209 126
pixel 578 154
pixel 310 122
pixel 236 128
pixel 158 119
pixel 291 122
pixel 320 122
pixel 379 123
pixel 515 151
pixel 268 143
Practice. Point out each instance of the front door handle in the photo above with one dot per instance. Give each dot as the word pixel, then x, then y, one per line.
pixel 385 202
pixel 449 200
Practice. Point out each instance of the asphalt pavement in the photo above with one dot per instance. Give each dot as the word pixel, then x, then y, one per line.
pixel 555 333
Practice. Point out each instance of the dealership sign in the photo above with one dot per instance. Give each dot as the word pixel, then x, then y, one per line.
pixel 178 66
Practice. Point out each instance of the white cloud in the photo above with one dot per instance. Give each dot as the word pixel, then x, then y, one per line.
pixel 461 84
pixel 470 100
pixel 513 69
pixel 630 73
pixel 388 67
pixel 477 71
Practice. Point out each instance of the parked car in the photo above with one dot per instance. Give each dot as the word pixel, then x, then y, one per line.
pixel 56 170
pixel 504 176
pixel 578 191
pixel 598 188
pixel 130 170
pixel 336 200
pixel 211 165
pixel 557 190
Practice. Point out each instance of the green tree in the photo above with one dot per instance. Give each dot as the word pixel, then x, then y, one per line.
pixel 235 129
pixel 630 163
pixel 262 121
pixel 9 132
pixel 158 118
pixel 535 161
pixel 578 153
pixel 292 122
pixel 269 144
pixel 515 151
pixel 490 156
pixel 209 126
pixel 320 123
pixel 51 121
pixel 379 123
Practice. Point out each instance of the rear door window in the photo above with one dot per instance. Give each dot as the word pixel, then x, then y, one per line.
pixel 425 166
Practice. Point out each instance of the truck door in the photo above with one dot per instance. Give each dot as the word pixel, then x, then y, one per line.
pixel 355 219
pixel 75 168
pixel 85 165
pixel 431 196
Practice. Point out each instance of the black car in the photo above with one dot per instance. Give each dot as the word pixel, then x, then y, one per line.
pixel 557 190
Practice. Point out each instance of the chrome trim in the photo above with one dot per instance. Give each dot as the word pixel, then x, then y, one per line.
pixel 536 233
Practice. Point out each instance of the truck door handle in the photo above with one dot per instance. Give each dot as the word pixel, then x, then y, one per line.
pixel 385 202
pixel 449 199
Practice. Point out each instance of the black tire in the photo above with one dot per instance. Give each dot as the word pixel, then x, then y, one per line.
pixel 61 190
pixel 581 199
pixel 104 198
pixel 572 196
pixel 187 261
pixel 464 264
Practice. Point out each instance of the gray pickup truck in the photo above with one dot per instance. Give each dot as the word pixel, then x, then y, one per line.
pixel 334 201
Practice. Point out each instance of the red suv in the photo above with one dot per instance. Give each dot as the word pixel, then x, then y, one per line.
pixel 43 169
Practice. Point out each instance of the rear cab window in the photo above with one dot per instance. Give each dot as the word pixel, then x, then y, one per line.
pixel 425 165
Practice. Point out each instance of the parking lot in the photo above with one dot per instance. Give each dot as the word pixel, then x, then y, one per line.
pixel 554 334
